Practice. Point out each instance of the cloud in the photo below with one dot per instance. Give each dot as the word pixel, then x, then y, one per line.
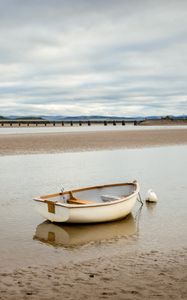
pixel 93 57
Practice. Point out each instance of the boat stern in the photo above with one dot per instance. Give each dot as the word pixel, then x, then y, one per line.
pixel 50 211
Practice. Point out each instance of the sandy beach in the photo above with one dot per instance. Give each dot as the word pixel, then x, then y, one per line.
pixel 89 141
pixel 137 274
pixel 151 275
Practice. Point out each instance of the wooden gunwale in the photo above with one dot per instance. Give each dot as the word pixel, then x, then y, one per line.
pixel 86 189
pixel 94 204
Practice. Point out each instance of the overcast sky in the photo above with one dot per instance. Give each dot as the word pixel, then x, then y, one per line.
pixel 86 57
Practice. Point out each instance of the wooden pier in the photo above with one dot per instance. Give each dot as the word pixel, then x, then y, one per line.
pixel 43 123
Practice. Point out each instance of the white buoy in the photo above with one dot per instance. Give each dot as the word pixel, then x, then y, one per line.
pixel 151 196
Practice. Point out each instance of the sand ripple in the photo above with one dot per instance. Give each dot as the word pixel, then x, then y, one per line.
pixel 150 275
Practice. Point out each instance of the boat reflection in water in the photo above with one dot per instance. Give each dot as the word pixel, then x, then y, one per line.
pixel 75 235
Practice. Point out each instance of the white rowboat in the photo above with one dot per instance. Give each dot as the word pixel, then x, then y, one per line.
pixel 89 205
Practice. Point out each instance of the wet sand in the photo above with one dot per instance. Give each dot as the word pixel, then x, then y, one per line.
pixel 150 275
pixel 88 141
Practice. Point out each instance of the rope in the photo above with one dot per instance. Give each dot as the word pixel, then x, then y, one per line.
pixel 140 199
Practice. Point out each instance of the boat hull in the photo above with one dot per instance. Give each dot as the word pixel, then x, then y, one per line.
pixel 91 213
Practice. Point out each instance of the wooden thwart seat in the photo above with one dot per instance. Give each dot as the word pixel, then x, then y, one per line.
pixel 78 201
pixel 74 200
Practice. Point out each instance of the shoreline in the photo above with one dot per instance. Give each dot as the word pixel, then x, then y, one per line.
pixel 41 143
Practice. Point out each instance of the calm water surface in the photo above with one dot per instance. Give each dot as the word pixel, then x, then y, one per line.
pixel 83 128
pixel 27 239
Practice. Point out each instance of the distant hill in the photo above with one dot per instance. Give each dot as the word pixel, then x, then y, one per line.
pixel 29 118
pixel 103 118
pixel 12 117
pixel 91 118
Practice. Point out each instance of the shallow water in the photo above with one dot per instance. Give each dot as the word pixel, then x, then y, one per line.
pixel 25 237
pixel 83 128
